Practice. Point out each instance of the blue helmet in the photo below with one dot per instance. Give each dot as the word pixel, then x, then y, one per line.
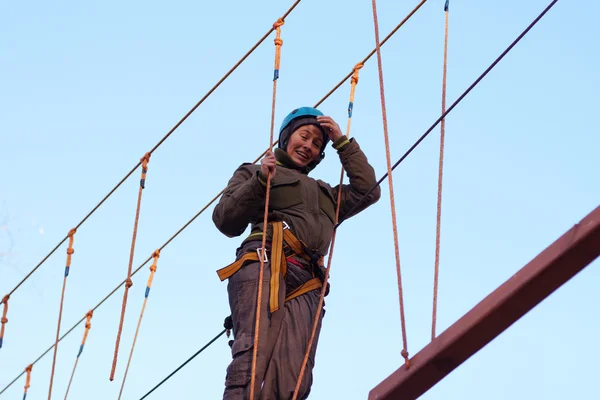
pixel 297 118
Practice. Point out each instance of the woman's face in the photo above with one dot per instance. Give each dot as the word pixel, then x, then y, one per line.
pixel 305 145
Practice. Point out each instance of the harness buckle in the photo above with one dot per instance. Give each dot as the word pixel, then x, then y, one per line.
pixel 259 251
pixel 285 225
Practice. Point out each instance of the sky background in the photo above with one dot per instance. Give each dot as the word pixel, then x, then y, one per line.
pixel 88 87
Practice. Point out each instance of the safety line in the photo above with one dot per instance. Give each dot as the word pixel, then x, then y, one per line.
pixel 70 252
pixel 391 184
pixel 438 227
pixel 129 282
pixel 156 255
pixel 278 43
pixel 88 326
pixel 353 83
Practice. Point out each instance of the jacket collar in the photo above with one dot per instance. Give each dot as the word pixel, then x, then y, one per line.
pixel 284 160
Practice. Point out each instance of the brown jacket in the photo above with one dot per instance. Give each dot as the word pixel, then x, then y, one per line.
pixel 306 204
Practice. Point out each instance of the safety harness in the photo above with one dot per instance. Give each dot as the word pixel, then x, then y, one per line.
pixel 283 244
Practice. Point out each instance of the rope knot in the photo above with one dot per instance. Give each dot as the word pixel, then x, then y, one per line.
pixel 89 314
pixel 278 23
pixel 128 283
pixel 72 232
pixel 70 251
pixel 156 253
pixel 5 299
pixel 278 42
pixel 88 325
pixel 153 268
pixel 357 67
pixel 405 355
pixel 145 160
pixel 4 320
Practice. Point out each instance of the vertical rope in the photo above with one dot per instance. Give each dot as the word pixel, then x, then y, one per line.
pixel 27 380
pixel 155 255
pixel 353 83
pixel 129 283
pixel 391 184
pixel 4 320
pixel 88 325
pixel 440 176
pixel 278 43
pixel 70 252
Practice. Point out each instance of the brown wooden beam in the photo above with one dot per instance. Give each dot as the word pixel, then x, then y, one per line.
pixel 553 267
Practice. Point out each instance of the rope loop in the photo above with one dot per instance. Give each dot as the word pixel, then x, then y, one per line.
pixel 128 283
pixel 5 299
pixel 279 23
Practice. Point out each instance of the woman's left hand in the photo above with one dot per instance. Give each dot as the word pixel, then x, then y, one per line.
pixel 331 127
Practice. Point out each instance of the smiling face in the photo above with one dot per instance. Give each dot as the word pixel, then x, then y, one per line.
pixel 305 145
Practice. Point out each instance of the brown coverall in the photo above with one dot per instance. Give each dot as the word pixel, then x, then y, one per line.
pixel 308 206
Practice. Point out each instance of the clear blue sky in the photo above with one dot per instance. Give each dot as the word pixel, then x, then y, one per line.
pixel 88 88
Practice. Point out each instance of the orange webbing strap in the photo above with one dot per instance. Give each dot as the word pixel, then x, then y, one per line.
pixel 278 43
pixel 88 325
pixel 4 320
pixel 440 175
pixel 353 82
pixel 70 252
pixel 278 262
pixel 391 183
pixel 323 285
pixel 313 284
pixel 27 380
pixel 155 256
pixel 129 283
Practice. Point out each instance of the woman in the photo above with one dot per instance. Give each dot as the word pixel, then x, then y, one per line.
pixel 301 220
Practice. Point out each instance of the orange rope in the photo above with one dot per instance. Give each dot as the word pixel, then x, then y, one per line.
pixel 129 283
pixel 70 252
pixel 27 380
pixel 353 83
pixel 440 175
pixel 278 43
pixel 4 320
pixel 391 185
pixel 88 325
pixel 155 255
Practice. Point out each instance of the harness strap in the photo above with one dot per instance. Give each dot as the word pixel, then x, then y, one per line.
pixel 282 241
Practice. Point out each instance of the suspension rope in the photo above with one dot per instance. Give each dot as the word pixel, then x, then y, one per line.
pixel 353 83
pixel 4 320
pixel 440 181
pixel 88 325
pixel 155 255
pixel 214 199
pixel 237 64
pixel 70 252
pixel 278 43
pixel 27 380
pixel 129 282
pixel 227 325
pixel 391 185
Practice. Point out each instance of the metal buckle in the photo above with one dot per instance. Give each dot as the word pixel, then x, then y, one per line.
pixel 258 251
pixel 285 226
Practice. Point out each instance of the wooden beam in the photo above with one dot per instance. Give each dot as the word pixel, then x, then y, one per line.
pixel 553 267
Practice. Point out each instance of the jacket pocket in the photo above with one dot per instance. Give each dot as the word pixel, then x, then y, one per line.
pixel 286 192
pixel 327 201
